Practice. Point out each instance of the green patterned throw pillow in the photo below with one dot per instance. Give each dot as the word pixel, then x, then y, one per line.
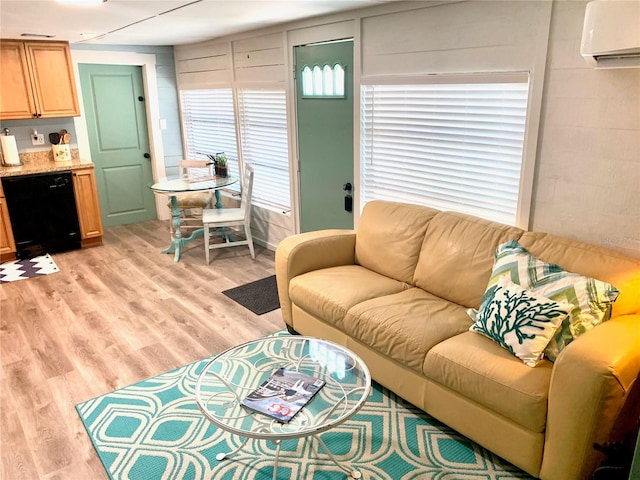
pixel 521 321
pixel 591 298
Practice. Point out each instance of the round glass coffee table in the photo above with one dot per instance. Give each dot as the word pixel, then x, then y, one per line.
pixel 232 375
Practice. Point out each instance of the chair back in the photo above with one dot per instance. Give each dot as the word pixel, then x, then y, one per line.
pixel 247 188
pixel 196 168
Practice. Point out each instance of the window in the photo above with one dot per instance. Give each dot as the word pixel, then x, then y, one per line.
pixel 452 146
pixel 325 82
pixel 210 125
pixel 263 133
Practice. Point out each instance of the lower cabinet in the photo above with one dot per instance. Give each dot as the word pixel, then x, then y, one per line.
pixel 88 206
pixel 7 244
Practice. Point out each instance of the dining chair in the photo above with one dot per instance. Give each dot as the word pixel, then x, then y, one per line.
pixel 191 205
pixel 217 219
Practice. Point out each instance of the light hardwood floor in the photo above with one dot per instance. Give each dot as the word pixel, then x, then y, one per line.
pixel 112 316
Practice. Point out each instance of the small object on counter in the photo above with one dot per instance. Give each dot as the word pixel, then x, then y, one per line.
pixel 54 138
pixel 65 136
pixel 61 153
pixel 10 156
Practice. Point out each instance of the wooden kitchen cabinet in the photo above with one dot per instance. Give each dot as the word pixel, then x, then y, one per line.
pixel 16 98
pixel 88 206
pixel 7 244
pixel 36 80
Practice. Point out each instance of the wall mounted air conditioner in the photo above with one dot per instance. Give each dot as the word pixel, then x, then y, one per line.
pixel 611 33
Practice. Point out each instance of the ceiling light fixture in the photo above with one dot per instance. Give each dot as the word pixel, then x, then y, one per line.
pixel 37 35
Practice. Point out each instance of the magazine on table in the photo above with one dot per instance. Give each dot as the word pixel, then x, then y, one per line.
pixel 283 394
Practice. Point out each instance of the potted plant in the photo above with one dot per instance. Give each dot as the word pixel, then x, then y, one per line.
pixel 220 164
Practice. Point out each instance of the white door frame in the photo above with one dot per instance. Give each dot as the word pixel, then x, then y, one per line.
pixel 152 106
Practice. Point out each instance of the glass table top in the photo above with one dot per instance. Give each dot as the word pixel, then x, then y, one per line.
pixel 196 184
pixel 232 375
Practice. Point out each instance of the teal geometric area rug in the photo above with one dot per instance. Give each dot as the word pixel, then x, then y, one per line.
pixel 153 430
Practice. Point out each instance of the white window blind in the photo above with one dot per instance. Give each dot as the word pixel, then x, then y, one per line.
pixel 209 125
pixel 453 146
pixel 263 133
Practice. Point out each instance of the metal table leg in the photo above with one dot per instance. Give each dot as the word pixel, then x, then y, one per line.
pixel 350 472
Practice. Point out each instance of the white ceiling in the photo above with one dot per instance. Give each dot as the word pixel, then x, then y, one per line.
pixel 156 22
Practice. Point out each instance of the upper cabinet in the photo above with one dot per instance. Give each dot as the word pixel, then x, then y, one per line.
pixel 36 80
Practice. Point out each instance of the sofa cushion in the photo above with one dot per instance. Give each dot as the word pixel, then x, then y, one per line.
pixel 457 256
pixel 328 293
pixel 519 320
pixel 389 237
pixel 591 298
pixel 592 261
pixel 483 371
pixel 405 325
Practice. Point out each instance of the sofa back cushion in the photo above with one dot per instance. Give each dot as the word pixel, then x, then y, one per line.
pixel 389 237
pixel 457 256
pixel 621 271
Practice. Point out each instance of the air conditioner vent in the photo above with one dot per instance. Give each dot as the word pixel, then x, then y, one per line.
pixel 611 34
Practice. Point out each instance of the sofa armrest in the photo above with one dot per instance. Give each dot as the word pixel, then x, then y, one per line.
pixel 310 251
pixel 590 383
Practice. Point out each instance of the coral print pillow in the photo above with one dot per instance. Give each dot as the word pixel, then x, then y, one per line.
pixel 521 321
pixel 591 298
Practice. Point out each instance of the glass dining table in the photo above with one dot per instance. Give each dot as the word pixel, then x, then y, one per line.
pixel 174 187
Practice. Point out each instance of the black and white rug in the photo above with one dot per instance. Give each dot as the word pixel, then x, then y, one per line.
pixel 28 268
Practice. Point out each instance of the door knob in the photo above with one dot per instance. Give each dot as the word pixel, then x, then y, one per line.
pixel 146 155
pixel 348 199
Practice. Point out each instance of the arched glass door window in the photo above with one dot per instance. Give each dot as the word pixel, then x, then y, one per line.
pixel 327 80
pixel 323 82
pixel 317 81
pixel 338 75
pixel 307 82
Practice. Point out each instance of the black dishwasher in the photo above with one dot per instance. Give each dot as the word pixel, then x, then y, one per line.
pixel 43 214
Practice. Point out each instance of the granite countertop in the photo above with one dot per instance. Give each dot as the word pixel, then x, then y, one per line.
pixel 42 162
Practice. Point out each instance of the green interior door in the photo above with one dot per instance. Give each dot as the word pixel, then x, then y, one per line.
pixel 325 134
pixel 116 121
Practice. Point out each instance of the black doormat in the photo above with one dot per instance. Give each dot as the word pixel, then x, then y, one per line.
pixel 260 296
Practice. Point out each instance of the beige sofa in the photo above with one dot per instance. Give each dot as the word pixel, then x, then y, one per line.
pixel 396 291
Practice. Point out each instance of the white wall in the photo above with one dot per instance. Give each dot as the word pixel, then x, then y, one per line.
pixel 587 183
pixel 587 154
